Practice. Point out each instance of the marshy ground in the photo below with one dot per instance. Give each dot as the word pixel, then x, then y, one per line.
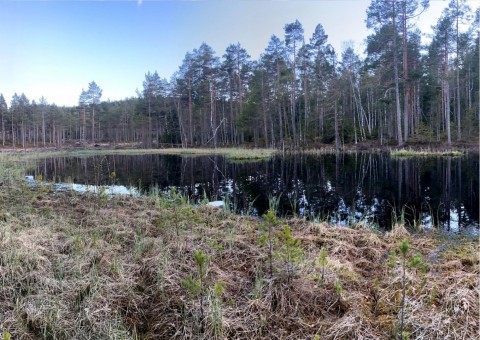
pixel 95 267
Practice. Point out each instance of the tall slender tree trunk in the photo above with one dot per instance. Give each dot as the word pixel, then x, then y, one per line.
pixel 3 128
pixel 395 75
pixel 84 124
pixel 54 132
pixel 150 131
pixel 232 114
pixel 93 123
pixel 318 108
pixel 457 62
pixel 190 112
pixel 406 85
pixel 23 132
pixel 305 103
pixel 446 93
pixel 240 86
pixel 213 114
pixel 355 128
pixel 43 126
pixel 13 131
pixel 264 112
pixel 293 97
pixel 278 104
pixel 337 136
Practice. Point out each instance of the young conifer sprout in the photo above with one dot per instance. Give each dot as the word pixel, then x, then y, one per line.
pixel 217 313
pixel 338 287
pixel 290 250
pixel 415 262
pixel 403 253
pixel 271 221
pixel 196 286
pixel 323 261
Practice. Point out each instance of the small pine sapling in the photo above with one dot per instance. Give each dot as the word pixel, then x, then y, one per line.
pixel 258 286
pixel 196 286
pixel 290 250
pixel 403 249
pixel 392 261
pixel 322 262
pixel 267 229
pixel 416 262
pixel 338 287
pixel 217 314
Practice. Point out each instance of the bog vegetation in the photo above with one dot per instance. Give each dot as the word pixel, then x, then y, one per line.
pixel 94 266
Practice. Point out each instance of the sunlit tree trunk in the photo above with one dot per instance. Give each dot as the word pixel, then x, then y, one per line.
pixel 446 93
pixel 457 73
pixel 264 112
pixel 406 84
pixel 395 75
pixel 190 112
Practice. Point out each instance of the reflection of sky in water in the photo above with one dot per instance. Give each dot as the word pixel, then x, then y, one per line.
pixel 109 190
pixel 345 189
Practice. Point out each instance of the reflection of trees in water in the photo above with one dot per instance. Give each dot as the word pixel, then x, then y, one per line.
pixel 342 187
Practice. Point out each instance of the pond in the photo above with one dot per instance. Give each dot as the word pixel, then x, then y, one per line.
pixel 341 188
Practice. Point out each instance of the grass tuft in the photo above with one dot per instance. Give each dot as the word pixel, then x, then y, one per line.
pixel 425 153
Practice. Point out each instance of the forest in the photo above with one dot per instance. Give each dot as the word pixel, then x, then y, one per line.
pixel 299 92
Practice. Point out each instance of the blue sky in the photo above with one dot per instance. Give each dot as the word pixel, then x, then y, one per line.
pixel 55 48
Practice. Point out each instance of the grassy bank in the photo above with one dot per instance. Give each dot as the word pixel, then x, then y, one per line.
pixel 230 153
pixel 90 267
pixel 425 153
pixel 238 154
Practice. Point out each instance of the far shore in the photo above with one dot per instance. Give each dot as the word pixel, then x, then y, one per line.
pixel 239 151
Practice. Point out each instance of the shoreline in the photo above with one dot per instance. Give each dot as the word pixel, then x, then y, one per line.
pixel 245 151
pixel 124 266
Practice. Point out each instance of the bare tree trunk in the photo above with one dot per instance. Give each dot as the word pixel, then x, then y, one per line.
pixel 459 133
pixel 84 124
pixel 54 139
pixel 190 112
pixel 406 85
pixel 233 135
pixel 265 119
pixel 305 97
pixel 213 114
pixel 240 86
pixel 395 74
pixel 93 123
pixel 279 107
pixel 337 136
pixel 446 93
pixel 23 132
pixel 150 131
pixel 3 128
pixel 43 126
pixel 293 99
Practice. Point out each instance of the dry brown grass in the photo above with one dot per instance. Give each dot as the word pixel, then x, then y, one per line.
pixel 77 267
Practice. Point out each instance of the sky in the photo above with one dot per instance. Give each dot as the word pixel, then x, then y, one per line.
pixel 54 48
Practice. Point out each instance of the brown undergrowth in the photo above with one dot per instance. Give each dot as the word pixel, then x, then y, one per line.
pixel 85 267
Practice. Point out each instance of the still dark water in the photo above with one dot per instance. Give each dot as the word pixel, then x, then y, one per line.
pixel 343 188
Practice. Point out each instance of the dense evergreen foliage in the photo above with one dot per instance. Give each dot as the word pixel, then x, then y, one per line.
pixel 299 91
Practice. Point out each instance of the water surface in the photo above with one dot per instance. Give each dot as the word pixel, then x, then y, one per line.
pixel 342 188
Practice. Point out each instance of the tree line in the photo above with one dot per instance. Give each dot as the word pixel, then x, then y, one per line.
pixel 300 91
